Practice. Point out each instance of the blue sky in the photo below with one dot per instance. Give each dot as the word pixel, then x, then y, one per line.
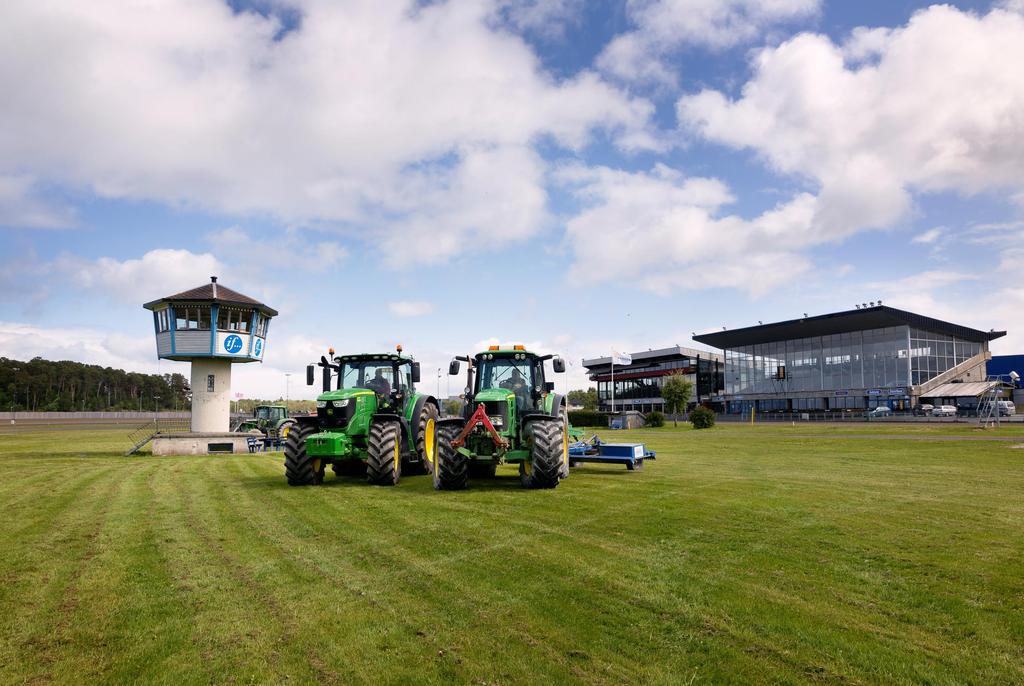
pixel 572 175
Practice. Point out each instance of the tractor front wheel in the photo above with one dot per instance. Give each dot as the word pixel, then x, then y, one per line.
pixel 299 468
pixel 384 453
pixel 451 469
pixel 546 456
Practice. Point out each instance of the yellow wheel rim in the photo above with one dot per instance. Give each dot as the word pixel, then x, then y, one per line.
pixel 527 467
pixel 565 447
pixel 430 441
pixel 316 466
pixel 284 432
pixel 398 454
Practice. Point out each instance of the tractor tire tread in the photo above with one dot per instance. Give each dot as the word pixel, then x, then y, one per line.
pixel 298 465
pixel 452 473
pixel 381 467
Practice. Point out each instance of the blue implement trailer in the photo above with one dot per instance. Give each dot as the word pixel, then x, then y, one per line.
pixel 595 450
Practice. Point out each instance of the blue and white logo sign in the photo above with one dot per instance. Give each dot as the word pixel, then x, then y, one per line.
pixel 258 347
pixel 233 344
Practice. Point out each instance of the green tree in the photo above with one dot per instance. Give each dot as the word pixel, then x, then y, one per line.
pixel 586 399
pixel 676 391
pixel 452 407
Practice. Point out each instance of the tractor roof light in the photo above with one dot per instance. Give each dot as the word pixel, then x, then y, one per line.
pixel 519 347
pixel 493 347
pixel 399 348
pixel 330 351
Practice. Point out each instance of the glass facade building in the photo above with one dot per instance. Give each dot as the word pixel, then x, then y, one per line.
pixel 851 360
pixel 638 386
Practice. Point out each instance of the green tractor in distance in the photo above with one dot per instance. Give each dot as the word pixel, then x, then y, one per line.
pixel 270 420
pixel 512 415
pixel 372 423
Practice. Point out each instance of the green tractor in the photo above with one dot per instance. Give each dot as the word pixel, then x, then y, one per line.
pixel 512 415
pixel 270 420
pixel 370 422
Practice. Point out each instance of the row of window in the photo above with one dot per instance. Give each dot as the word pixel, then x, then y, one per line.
pixel 197 318
pixel 876 358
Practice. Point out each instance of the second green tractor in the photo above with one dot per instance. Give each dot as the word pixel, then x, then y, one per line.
pixel 512 415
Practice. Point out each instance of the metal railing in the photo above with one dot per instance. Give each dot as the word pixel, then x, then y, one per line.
pixel 143 434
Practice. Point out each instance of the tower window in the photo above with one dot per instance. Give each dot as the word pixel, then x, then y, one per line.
pixel 210 379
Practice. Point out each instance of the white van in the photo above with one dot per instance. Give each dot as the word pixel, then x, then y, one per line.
pixel 1006 408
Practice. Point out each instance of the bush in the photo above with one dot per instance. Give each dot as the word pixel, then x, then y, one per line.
pixel 588 418
pixel 655 418
pixel 702 418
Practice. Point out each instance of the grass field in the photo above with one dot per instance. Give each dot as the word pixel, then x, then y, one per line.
pixel 745 555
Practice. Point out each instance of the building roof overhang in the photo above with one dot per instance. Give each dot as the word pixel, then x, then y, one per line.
pixel 213 293
pixel 878 317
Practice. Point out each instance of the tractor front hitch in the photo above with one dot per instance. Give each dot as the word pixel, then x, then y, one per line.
pixel 480 417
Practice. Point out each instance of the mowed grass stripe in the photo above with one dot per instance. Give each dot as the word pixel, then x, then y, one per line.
pixel 41 588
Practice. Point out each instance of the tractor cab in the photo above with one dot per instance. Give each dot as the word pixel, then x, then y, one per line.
pixel 270 413
pixel 391 376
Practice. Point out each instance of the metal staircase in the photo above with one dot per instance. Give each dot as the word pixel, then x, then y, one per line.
pixel 142 435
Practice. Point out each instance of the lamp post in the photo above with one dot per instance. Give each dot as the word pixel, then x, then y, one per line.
pixel 287 388
pixel 438 382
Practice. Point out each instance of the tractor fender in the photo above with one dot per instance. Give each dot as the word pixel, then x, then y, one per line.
pixel 418 407
pixel 451 421
pixel 377 416
pixel 307 421
pixel 556 402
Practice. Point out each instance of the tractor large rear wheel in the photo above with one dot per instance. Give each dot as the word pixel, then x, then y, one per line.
pixel 545 464
pixel 384 453
pixel 426 438
pixel 451 470
pixel 299 468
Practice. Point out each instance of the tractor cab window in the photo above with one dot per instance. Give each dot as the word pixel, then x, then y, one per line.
pixel 516 375
pixel 405 378
pixel 276 413
pixel 262 413
pixel 375 375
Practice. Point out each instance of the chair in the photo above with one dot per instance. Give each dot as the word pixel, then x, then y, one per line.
pixel 255 443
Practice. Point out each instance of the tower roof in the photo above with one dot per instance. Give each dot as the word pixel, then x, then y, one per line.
pixel 213 292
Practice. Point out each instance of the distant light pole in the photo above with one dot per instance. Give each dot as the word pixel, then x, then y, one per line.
pixel 438 382
pixel 287 388
pixel 156 408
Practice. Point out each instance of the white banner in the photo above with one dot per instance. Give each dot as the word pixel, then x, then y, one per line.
pixel 621 359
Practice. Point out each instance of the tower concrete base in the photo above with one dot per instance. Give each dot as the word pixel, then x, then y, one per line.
pixel 211 396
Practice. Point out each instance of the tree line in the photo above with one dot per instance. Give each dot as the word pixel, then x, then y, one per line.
pixel 40 385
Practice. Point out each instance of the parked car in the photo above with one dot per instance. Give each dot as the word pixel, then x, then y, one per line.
pixel 1004 407
pixel 944 411
pixel 923 410
pixel 880 411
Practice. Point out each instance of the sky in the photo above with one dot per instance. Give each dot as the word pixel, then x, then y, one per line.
pixel 574 176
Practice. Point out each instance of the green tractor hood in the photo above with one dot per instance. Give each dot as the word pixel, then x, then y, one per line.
pixel 343 393
pixel 494 394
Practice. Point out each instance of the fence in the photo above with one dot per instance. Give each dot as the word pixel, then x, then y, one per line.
pixel 44 416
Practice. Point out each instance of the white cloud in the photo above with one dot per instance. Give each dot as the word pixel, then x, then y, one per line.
pixel 666 232
pixel 156 274
pixel 940 109
pixel 411 308
pixel 299 253
pixel 21 207
pixel 332 123
pixel 21 341
pixel 930 236
pixel 546 18
pixel 664 27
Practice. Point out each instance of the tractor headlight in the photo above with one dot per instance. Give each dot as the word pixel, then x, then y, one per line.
pixel 320 404
pixel 341 403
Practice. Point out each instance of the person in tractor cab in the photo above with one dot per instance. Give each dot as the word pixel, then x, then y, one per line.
pixel 379 385
pixel 517 384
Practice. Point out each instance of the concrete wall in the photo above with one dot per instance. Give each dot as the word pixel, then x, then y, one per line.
pixel 211 410
pixel 184 444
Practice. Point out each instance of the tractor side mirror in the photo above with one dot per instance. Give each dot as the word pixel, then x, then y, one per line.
pixel 310 375
pixel 327 379
pixel 558 364
pixel 453 368
pixel 415 372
